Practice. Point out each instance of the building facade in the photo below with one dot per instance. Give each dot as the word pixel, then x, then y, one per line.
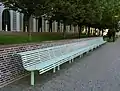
pixel 11 20
pixel 14 21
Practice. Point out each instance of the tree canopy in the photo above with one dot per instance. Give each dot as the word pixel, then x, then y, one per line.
pixel 94 13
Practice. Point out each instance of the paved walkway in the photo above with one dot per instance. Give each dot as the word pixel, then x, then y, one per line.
pixel 97 71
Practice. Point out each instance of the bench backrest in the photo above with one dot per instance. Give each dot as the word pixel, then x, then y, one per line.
pixel 34 57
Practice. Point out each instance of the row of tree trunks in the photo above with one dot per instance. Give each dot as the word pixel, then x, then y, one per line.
pixel 88 31
pixel 64 29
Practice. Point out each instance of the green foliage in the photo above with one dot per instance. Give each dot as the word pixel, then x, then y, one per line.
pixel 93 13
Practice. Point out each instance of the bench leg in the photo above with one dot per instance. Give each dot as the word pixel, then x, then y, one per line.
pixel 81 55
pixel 32 77
pixel 59 67
pixel 53 70
pixel 92 49
pixel 72 60
pixel 69 61
pixel 87 52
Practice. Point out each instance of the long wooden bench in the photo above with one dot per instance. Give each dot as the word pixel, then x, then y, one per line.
pixel 46 59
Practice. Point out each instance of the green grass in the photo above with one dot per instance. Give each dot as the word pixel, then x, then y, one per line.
pixel 20 37
pixel 23 37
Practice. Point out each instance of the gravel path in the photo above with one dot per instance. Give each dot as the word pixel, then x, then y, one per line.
pixel 97 71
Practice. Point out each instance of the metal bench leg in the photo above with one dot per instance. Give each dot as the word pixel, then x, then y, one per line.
pixel 87 52
pixel 92 49
pixel 53 70
pixel 32 77
pixel 80 56
pixel 59 67
pixel 72 60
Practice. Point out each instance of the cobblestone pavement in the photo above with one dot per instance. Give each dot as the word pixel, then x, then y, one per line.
pixel 97 71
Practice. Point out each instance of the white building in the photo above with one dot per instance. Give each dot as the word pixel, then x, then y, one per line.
pixel 15 21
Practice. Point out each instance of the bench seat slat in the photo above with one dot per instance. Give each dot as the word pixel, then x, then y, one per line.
pixel 67 57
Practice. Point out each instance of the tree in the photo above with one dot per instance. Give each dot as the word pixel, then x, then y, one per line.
pixel 91 13
pixel 62 11
pixel 35 8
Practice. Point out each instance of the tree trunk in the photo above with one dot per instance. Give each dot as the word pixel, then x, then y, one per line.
pixel 50 25
pixel 74 29
pixel 70 27
pixel 58 29
pixel 28 15
pixel 95 32
pixel 88 31
pixel 28 29
pixel 64 30
pixel 99 32
pixel 79 29
pixel 102 32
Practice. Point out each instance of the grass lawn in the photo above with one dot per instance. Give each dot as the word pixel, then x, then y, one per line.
pixel 20 37
pixel 17 38
pixel 8 39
